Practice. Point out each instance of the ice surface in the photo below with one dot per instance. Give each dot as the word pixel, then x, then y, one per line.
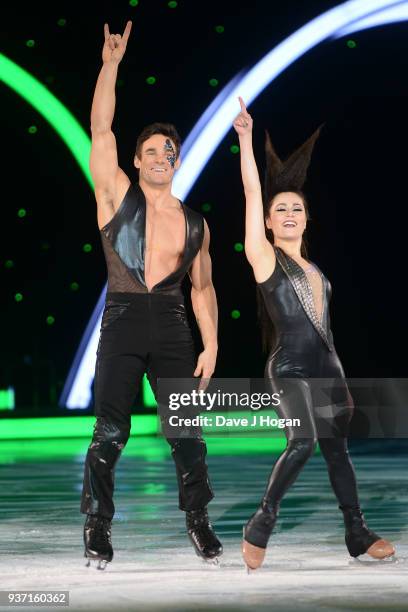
pixel 307 566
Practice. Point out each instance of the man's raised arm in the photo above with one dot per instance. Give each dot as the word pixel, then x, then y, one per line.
pixel 110 181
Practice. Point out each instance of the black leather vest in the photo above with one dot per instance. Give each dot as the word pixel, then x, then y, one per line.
pixel 124 241
pixel 289 301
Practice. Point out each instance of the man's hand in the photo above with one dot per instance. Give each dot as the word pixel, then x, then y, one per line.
pixel 243 121
pixel 115 44
pixel 205 367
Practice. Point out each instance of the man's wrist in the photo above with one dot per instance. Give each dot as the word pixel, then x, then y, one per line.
pixel 111 62
pixel 211 345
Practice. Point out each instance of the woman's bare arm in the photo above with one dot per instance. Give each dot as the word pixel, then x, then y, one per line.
pixel 258 249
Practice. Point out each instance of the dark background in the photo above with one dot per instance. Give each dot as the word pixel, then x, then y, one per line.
pixel 356 186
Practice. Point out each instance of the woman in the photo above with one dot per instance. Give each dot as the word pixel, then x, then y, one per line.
pixel 294 296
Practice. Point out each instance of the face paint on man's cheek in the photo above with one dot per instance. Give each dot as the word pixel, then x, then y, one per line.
pixel 171 154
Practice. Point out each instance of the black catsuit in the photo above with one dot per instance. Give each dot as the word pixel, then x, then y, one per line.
pixel 141 331
pixel 302 359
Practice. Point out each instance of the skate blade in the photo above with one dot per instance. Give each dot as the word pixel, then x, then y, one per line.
pixel 100 563
pixel 214 562
pixel 367 560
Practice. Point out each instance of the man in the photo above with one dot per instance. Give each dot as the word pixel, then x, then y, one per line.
pixel 150 241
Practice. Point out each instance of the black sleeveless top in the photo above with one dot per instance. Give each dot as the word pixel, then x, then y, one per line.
pixel 124 241
pixel 289 301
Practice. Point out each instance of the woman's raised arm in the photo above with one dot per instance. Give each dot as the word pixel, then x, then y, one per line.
pixel 258 249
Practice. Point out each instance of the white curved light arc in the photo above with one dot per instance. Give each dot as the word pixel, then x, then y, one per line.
pixel 262 74
pixel 347 15
pixel 394 14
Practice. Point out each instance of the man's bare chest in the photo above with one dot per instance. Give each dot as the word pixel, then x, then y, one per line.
pixel 165 231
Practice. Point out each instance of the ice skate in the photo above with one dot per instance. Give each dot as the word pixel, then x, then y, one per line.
pixel 361 540
pixel 202 536
pixel 256 534
pixel 97 540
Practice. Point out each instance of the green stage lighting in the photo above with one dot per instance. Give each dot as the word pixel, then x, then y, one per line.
pixel 7 399
pixel 149 399
pixel 238 247
pixel 87 248
pixel 67 427
pixel 235 314
pixel 63 122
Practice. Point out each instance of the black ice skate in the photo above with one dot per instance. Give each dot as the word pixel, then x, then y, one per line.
pixel 202 535
pixel 97 540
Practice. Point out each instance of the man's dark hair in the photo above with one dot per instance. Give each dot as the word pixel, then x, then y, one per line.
pixel 166 129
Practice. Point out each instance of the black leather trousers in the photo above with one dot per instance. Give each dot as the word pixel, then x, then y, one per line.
pixel 297 376
pixel 140 333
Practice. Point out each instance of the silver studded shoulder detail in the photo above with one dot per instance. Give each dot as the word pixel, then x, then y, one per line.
pixel 301 285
